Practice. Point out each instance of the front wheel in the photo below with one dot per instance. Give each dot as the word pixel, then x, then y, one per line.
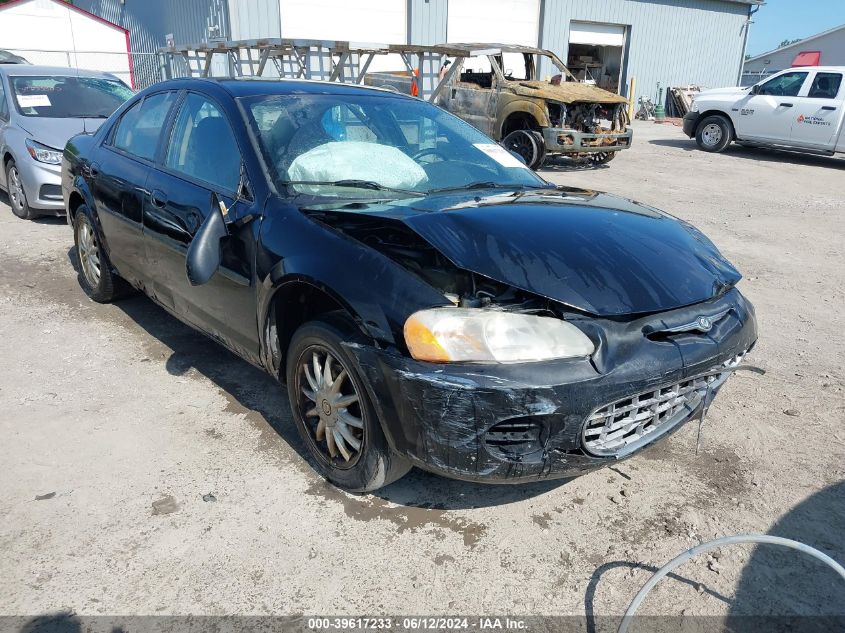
pixel 714 134
pixel 601 158
pixel 17 196
pixel 524 144
pixel 332 409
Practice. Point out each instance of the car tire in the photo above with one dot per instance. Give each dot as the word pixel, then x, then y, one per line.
pixel 95 272
pixel 17 196
pixel 714 134
pixel 541 150
pixel 523 143
pixel 601 158
pixel 334 414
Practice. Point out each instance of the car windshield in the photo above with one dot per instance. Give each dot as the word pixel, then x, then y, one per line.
pixel 353 146
pixel 68 97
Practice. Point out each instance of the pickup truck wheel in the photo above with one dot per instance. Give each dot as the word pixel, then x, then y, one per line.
pixel 541 149
pixel 332 410
pixel 524 143
pixel 714 134
pixel 600 158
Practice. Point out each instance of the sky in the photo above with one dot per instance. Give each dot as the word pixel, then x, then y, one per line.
pixel 779 20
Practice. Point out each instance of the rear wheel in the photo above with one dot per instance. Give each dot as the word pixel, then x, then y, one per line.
pixel 17 196
pixel 332 409
pixel 95 275
pixel 714 134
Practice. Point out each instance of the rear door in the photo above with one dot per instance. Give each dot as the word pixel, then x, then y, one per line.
pixel 118 176
pixel 768 114
pixel 4 123
pixel 819 111
pixel 202 157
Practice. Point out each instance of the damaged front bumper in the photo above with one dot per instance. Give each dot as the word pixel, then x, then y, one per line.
pixel 566 141
pixel 512 423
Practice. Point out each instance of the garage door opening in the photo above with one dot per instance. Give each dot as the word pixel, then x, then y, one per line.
pixel 597 54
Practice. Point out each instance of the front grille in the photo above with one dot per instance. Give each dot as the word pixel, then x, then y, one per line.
pixel 515 438
pixel 626 425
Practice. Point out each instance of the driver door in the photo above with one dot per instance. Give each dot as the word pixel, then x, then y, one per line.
pixel 202 157
pixel 767 112
pixel 471 95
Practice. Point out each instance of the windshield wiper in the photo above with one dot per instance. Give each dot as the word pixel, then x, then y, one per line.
pixel 485 185
pixel 87 116
pixel 356 184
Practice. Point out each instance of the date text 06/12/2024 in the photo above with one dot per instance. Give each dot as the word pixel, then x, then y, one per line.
pixel 417 623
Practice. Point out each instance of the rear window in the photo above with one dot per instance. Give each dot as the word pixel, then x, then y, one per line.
pixel 68 97
pixel 825 86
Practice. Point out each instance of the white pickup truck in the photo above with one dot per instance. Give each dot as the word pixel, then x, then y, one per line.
pixel 799 109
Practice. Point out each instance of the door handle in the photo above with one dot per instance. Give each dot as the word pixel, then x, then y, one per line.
pixel 786 105
pixel 158 198
pixel 831 108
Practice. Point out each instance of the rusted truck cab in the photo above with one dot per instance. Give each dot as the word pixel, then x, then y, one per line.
pixel 530 116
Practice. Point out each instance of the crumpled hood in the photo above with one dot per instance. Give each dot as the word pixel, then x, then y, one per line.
pixel 566 92
pixel 56 133
pixel 594 252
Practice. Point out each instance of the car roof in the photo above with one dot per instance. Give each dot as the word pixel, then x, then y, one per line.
pixel 248 86
pixel 29 70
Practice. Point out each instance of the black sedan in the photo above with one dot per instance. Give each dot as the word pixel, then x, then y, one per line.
pixel 427 299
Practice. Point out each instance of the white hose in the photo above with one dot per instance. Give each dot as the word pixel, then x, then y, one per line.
pixel 676 562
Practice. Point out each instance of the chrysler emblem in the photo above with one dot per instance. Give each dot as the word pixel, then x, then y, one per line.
pixel 703 323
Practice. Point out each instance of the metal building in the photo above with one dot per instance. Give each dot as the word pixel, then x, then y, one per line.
pixel 673 42
pixel 824 49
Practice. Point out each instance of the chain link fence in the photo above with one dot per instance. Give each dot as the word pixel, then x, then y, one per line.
pixel 138 70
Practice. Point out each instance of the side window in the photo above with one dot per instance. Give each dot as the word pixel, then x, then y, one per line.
pixel 786 85
pixel 203 146
pixel 825 86
pixel 140 126
pixel 4 108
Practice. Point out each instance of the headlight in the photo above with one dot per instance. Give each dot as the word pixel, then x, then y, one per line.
pixel 465 334
pixel 43 154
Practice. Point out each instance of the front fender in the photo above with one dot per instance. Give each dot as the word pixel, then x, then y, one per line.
pixel 509 104
pixel 378 292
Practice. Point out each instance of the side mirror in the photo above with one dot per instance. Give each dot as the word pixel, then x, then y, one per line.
pixel 206 251
pixel 755 90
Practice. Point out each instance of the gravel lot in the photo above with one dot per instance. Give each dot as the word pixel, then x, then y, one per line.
pixel 145 470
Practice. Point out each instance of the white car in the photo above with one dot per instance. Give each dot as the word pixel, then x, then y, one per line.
pixel 800 109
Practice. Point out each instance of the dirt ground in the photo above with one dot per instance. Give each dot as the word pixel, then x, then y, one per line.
pixel 145 470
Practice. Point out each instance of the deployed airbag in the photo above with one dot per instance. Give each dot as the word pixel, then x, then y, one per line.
pixel 356 160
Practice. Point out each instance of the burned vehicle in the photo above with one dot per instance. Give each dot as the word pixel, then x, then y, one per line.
pixel 497 88
pixel 503 96
pixel 426 298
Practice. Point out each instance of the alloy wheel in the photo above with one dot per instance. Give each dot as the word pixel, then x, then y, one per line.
pixel 711 135
pixel 89 253
pixel 330 407
pixel 16 192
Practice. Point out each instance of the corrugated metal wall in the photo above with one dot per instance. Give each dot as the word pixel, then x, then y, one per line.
pixel 253 19
pixel 675 42
pixel 427 21
pixel 149 21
